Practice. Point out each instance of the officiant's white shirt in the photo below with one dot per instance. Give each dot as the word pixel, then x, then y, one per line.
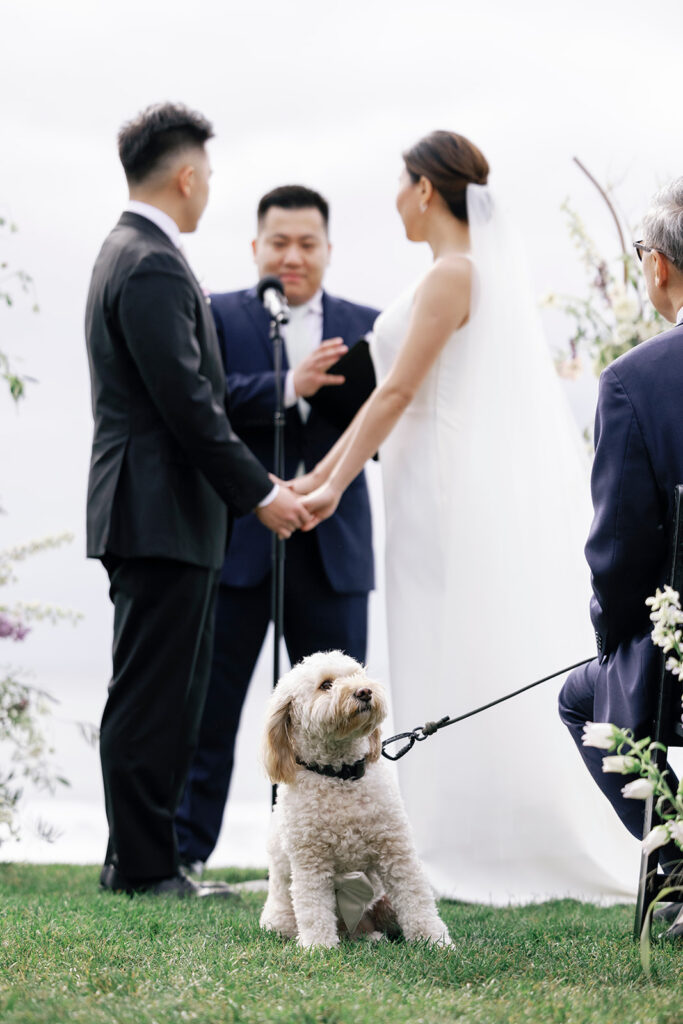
pixel 302 335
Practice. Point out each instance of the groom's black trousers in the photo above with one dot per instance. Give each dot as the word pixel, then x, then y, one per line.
pixel 163 640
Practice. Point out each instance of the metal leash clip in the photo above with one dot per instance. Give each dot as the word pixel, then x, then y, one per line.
pixel 422 732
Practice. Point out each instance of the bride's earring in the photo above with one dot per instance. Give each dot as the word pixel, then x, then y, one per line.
pixel 423 207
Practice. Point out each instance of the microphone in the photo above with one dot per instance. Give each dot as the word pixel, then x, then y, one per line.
pixel 271 292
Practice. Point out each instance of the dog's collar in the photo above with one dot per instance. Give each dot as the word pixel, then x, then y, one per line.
pixel 347 771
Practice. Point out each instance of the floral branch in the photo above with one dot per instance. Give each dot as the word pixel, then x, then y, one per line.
pixel 610 207
pixel 616 315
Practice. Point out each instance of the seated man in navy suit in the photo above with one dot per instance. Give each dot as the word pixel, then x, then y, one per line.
pixel 638 463
pixel 329 571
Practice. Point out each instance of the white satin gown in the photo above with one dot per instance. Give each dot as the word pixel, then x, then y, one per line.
pixel 487 508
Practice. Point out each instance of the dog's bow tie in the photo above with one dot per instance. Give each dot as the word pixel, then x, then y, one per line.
pixel 347 771
pixel 354 895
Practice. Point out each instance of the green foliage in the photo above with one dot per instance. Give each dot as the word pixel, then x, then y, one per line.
pixel 24 750
pixel 11 280
pixel 71 953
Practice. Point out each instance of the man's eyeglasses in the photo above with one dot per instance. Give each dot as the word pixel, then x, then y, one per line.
pixel 640 248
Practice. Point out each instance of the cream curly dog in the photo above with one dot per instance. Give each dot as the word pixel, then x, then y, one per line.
pixel 338 808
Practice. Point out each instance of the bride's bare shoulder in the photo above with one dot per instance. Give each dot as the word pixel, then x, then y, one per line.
pixel 448 277
pixel 448 271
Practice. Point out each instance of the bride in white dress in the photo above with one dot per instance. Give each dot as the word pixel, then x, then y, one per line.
pixel 487 509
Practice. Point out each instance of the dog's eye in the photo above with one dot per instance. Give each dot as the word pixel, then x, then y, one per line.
pixel 326 684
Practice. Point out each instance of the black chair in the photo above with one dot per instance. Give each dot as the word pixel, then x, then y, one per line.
pixel 667 729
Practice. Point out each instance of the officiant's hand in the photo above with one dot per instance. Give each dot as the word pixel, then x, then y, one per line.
pixel 311 374
pixel 321 503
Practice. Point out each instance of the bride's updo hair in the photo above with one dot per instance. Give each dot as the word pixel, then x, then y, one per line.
pixel 451 162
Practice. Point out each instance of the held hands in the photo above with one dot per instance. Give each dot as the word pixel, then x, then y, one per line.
pixel 320 495
pixel 285 513
pixel 311 374
pixel 321 503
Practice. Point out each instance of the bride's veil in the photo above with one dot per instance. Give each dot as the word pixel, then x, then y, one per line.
pixel 522 490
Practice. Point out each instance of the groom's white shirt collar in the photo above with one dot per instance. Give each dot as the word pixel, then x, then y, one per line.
pixel 679 317
pixel 158 217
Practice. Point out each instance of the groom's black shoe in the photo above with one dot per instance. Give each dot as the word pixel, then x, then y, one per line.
pixel 112 880
pixel 178 885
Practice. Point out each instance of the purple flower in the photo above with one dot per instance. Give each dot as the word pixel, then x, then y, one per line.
pixel 17 630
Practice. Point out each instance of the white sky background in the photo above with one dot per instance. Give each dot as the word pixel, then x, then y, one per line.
pixel 327 95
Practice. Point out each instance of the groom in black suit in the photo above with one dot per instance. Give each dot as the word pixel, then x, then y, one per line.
pixel 166 476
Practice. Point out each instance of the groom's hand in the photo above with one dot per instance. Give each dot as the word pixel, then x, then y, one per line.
pixel 285 513
pixel 311 374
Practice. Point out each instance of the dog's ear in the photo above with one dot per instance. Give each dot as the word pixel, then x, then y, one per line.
pixel 375 745
pixel 278 753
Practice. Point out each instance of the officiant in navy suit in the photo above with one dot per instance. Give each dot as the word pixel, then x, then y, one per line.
pixel 329 571
pixel 638 463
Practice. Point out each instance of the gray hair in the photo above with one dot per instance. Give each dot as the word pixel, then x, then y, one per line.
pixel 663 222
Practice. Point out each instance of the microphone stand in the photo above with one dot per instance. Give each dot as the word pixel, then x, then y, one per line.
pixel 278 545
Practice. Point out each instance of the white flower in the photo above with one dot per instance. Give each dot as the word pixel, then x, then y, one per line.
pixel 625 307
pixel 619 763
pixel 639 789
pixel 569 369
pixel 598 734
pixel 676 830
pixel 659 836
pixel 674 666
pixel 625 333
pixel 666 596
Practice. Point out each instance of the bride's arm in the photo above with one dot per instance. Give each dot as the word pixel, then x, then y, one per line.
pixel 440 307
pixel 322 470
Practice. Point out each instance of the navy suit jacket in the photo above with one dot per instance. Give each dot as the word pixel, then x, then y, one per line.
pixel 345 539
pixel 638 463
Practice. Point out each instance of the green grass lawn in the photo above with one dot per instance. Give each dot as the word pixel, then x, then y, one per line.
pixel 70 953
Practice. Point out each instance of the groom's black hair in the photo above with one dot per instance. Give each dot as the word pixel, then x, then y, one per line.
pixel 156 132
pixel 293 197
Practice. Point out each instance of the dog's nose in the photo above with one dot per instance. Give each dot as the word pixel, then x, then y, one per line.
pixel 365 695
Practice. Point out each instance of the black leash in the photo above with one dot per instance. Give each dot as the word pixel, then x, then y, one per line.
pixel 422 732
